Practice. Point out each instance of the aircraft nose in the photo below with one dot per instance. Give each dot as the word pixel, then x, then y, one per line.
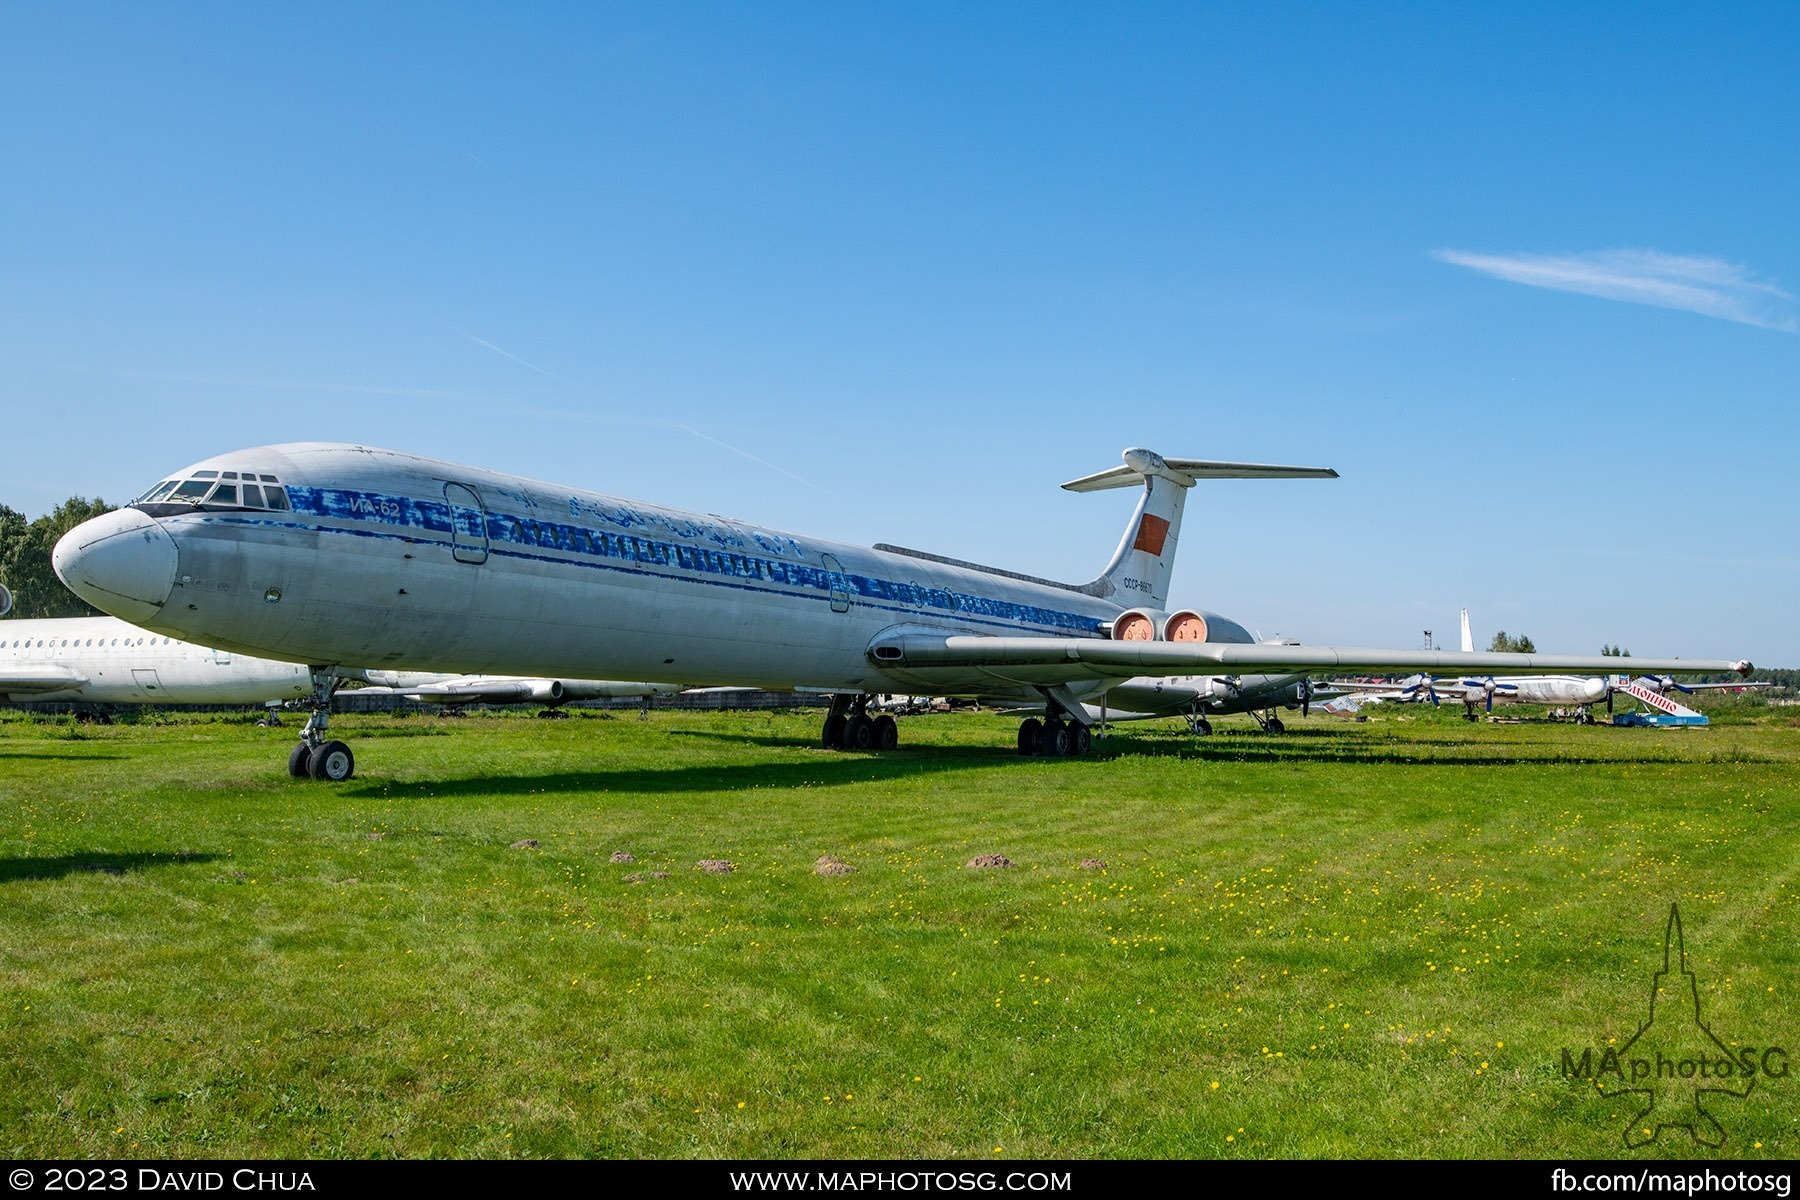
pixel 121 562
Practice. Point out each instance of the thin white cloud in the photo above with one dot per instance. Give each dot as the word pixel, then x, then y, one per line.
pixel 508 354
pixel 1711 287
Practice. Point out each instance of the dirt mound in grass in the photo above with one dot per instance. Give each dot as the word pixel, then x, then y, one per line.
pixel 990 860
pixel 622 856
pixel 715 866
pixel 1092 864
pixel 525 844
pixel 831 864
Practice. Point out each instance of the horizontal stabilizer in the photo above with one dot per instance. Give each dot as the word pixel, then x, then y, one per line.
pixel 1185 472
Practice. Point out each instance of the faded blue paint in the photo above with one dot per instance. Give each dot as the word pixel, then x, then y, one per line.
pixel 506 530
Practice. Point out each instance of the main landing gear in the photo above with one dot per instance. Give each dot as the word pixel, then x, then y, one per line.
pixel 1058 735
pixel 848 726
pixel 1198 725
pixel 1270 723
pixel 313 756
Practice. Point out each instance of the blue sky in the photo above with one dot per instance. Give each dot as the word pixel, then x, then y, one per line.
pixel 881 272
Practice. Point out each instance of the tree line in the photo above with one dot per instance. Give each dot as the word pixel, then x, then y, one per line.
pixel 25 558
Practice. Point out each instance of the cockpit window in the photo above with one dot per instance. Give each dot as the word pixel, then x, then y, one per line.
pixel 220 489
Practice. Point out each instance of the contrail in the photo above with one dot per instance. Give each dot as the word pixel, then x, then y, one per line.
pixel 510 354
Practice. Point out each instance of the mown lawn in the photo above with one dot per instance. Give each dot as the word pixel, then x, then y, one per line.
pixel 1356 939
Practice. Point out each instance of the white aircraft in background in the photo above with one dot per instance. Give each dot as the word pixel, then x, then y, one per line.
pixel 1578 693
pixel 346 554
pixel 105 661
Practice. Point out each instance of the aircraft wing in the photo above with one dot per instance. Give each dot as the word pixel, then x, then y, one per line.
pixel 1046 661
pixel 495 690
pixel 24 680
pixel 1736 687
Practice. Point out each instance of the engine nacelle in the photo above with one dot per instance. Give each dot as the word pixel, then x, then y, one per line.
pixel 1154 625
pixel 1139 625
pixel 547 691
pixel 1184 626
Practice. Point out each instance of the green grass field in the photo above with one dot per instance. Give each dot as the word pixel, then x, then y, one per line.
pixel 1358 939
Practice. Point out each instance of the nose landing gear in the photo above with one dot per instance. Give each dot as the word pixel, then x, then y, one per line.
pixel 315 757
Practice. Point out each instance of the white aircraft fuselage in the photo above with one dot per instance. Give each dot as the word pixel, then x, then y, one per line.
pixel 106 661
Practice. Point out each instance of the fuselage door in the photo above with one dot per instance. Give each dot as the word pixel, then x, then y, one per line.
pixel 146 680
pixel 840 584
pixel 468 524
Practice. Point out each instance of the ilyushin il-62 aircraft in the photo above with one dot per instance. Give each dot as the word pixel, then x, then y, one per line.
pixel 332 554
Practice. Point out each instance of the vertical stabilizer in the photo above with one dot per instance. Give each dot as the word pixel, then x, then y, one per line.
pixel 1468 642
pixel 1139 571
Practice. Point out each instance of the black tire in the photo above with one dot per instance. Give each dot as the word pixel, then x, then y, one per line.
pixel 1057 739
pixel 1205 728
pixel 332 762
pixel 833 737
pixel 1031 736
pixel 859 734
pixel 300 761
pixel 887 732
pixel 1275 725
pixel 1081 740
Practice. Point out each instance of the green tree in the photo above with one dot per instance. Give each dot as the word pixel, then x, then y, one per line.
pixel 1614 652
pixel 1505 643
pixel 25 558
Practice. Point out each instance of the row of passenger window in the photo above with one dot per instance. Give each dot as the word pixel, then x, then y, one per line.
pixel 609 545
pixel 221 487
pixel 78 644
pixel 612 545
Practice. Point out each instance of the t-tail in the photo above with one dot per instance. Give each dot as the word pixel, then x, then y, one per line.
pixel 1139 571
